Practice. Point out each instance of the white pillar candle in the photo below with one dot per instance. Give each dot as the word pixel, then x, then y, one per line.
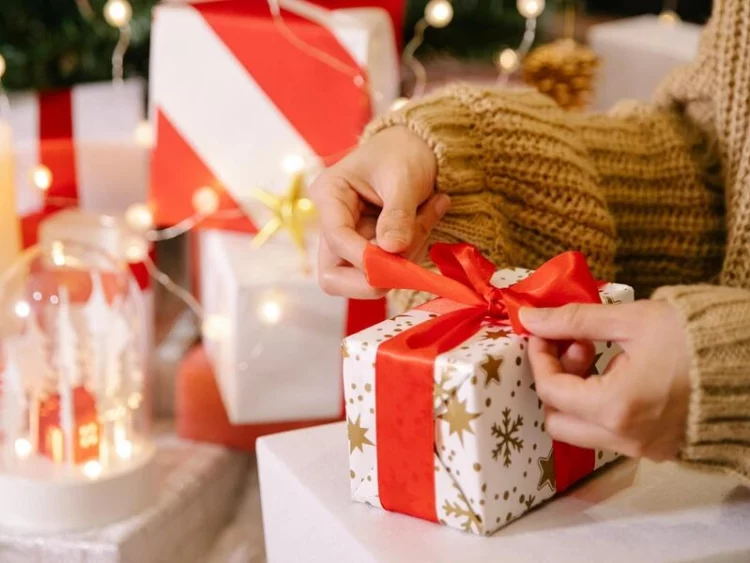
pixel 10 239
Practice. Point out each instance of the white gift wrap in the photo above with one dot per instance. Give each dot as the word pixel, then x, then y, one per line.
pixel 199 487
pixel 500 468
pixel 637 54
pixel 270 371
pixel 244 123
pixel 111 166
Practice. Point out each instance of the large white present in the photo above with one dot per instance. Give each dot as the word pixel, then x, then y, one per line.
pixel 239 98
pixel 273 336
pixel 637 54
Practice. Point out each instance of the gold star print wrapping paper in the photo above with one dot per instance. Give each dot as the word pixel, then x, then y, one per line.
pixel 493 458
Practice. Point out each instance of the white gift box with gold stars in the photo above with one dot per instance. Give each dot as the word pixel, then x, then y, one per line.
pixel 493 459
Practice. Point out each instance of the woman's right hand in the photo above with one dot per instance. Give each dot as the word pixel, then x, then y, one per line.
pixel 382 192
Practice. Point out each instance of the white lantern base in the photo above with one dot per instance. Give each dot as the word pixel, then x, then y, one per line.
pixel 53 506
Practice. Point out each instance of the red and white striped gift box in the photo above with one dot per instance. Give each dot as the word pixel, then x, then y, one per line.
pixel 86 137
pixel 234 92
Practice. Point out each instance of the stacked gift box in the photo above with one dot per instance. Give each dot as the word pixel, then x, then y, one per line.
pixel 248 106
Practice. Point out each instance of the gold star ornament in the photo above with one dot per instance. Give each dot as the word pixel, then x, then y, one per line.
pixel 290 212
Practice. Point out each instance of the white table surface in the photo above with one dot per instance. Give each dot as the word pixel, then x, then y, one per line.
pixel 634 511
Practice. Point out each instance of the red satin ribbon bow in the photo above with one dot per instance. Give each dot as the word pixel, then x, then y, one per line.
pixel 404 367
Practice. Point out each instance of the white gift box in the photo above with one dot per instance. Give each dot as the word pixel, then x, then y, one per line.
pixel 110 166
pixel 236 99
pixel 637 54
pixel 493 460
pixel 199 486
pixel 273 336
pixel 636 511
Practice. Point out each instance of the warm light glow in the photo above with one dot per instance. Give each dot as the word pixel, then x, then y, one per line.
pixel 139 217
pixel 530 8
pixel 136 251
pixel 669 17
pixel 144 134
pixel 205 200
pixel 398 103
pixel 293 163
pixel 271 309
pixel 41 177
pixel 23 309
pixel 118 12
pixel 23 447
pixel 58 253
pixel 305 205
pixel 134 401
pixel 56 445
pixel 124 449
pixel 507 60
pixel 92 469
pixel 3 66
pixel 438 13
pixel 215 327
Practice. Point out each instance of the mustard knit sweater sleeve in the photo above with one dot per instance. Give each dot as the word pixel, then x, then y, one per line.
pixel 529 180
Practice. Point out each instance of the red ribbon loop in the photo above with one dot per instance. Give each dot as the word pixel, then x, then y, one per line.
pixel 405 363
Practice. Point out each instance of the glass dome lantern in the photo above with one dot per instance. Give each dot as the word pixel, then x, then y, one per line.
pixel 74 444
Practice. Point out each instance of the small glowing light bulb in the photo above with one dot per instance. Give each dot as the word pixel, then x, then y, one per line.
pixel 438 13
pixel 139 217
pixel 507 60
pixel 58 253
pixel 530 9
pixel 205 201
pixel 669 17
pixel 124 449
pixel 215 328
pixel 118 12
pixel 271 309
pixel 144 134
pixel 398 103
pixel 92 469
pixel 41 177
pixel 134 401
pixel 305 205
pixel 136 251
pixel 293 163
pixel 23 309
pixel 3 66
pixel 23 447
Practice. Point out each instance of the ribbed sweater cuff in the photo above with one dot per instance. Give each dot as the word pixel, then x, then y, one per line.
pixel 717 324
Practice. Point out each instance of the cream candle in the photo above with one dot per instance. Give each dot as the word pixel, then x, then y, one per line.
pixel 9 225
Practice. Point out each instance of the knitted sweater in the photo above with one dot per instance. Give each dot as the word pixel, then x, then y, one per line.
pixel 657 196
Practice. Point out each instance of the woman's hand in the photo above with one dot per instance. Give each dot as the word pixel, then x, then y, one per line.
pixel 639 408
pixel 382 191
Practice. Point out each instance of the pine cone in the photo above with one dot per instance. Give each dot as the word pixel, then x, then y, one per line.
pixel 564 70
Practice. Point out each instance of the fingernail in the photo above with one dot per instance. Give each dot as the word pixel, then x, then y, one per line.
pixel 442 205
pixel 531 317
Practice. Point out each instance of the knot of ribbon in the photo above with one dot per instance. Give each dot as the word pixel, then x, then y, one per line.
pixel 404 366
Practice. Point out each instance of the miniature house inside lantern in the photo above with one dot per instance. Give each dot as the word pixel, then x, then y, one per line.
pixel 74 444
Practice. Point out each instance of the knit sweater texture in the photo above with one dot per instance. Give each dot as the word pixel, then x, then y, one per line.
pixel 656 195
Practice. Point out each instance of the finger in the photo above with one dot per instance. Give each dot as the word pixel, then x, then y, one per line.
pixel 428 217
pixel 578 358
pixel 582 322
pixel 339 278
pixel 397 221
pixel 338 208
pixel 571 430
pixel 571 394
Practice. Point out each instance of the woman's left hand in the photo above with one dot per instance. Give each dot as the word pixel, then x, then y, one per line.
pixel 639 408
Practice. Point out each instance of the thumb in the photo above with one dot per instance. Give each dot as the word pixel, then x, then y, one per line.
pixel 395 228
pixel 580 322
